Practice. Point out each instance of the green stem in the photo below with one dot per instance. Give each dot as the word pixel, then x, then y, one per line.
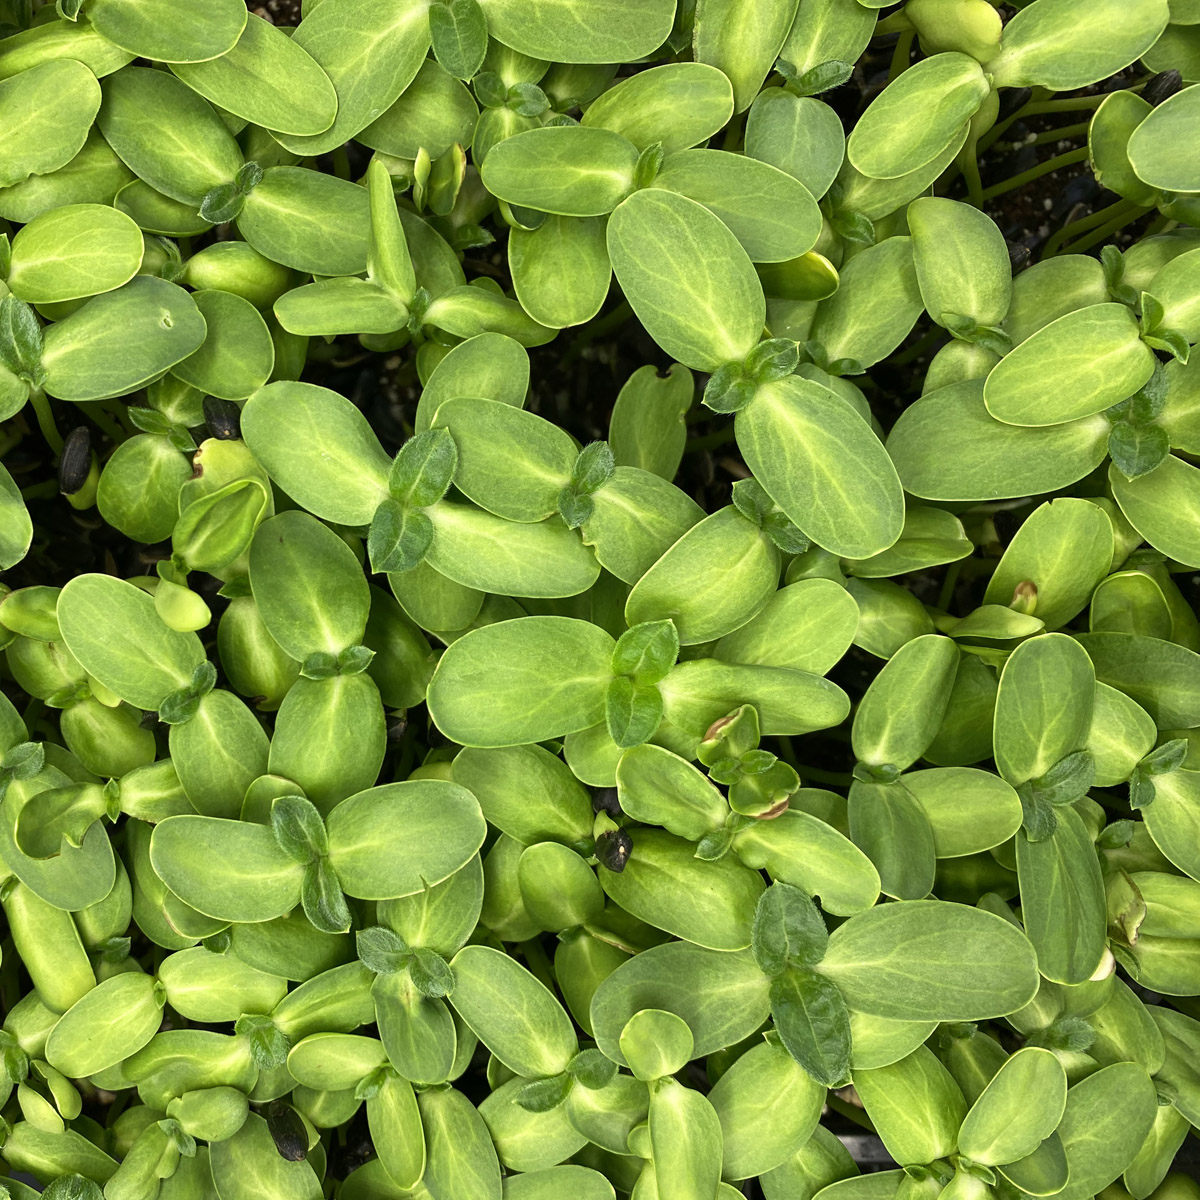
pixel 96 411
pixel 733 132
pixel 948 586
pixel 599 328
pixel 902 55
pixel 969 161
pixel 1051 164
pixel 710 441
pixel 341 163
pixel 539 962
pixel 1105 231
pixel 1075 228
pixel 786 750
pixel 914 352
pixel 841 778
pixel 1036 108
pixel 1054 135
pixel 33 714
pixel 45 419
pixel 850 1112
pixel 120 413
pixel 1162 224
pixel 40 491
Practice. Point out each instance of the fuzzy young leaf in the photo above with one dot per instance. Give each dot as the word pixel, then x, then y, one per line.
pixel 431 974
pixel 322 899
pixel 1115 835
pixel 591 471
pixel 354 660
pixel 823 77
pixel 729 388
pixel 269 1045
pixel 772 359
pixel 21 341
pixel 298 828
pixel 1037 814
pixel 813 1023
pixel 382 950
pixel 489 89
pixel 320 664
pixel 399 537
pixel 1068 779
pixel 751 500
pixel 648 164
pixel 592 1069
pixel 424 468
pixel 788 930
pixel 527 100
pixel 542 1095
pixel 1167 758
pixel 459 34
pixel 72 1187
pixel 1137 449
pixel 646 652
pixel 1068 1034
pixel 593 468
pixel 632 711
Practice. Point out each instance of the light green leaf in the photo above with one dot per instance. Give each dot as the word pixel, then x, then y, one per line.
pixel 721 995
pixel 200 152
pixel 112 628
pixel 917 115
pixel 45 115
pixel 16 528
pixel 560 270
pixel 574 171
pixel 519 681
pixel 739 569
pixel 267 78
pixel 229 870
pixel 369 53
pixel 1047 46
pixel 559 31
pixel 677 104
pixel 479 550
pixel 1164 507
pixel 75 251
pixel 874 308
pixel 511 1012
pixel 915 1106
pixel 122 340
pixel 947 446
pixel 1064 549
pixel 920 960
pixel 743 40
pixel 1098 348
pixel 1062 899
pixel 709 904
pixel 773 215
pixel 806 626
pixel 399 838
pixel 319 448
pixel 237 355
pixel 961 260
pixel 309 586
pixel 823 465
pixel 688 279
